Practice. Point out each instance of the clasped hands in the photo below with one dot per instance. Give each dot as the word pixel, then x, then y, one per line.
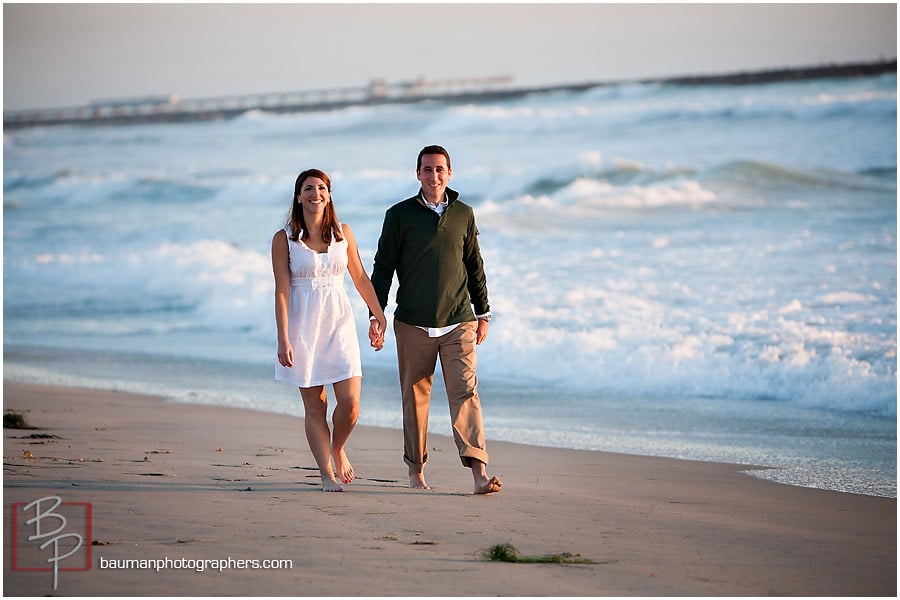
pixel 376 332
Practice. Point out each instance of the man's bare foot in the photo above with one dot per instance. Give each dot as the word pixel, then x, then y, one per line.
pixel 342 467
pixel 331 485
pixel 417 481
pixel 487 486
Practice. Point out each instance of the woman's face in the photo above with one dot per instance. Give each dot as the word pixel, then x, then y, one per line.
pixel 314 194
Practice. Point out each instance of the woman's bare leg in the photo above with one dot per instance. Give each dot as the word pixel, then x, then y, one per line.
pixel 315 405
pixel 346 413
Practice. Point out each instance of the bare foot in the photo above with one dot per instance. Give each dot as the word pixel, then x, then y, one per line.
pixel 488 486
pixel 331 485
pixel 417 481
pixel 343 468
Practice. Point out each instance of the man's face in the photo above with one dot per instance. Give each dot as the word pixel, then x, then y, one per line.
pixel 434 175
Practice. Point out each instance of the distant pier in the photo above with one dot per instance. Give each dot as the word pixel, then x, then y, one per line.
pixel 173 109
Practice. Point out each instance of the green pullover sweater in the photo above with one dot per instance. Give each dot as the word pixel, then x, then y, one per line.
pixel 437 261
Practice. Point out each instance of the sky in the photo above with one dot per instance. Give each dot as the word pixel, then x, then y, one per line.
pixel 66 55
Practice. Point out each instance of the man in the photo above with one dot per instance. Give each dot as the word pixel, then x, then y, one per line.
pixel 430 241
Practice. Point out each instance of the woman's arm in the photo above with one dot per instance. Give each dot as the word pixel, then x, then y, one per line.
pixel 366 290
pixel 281 269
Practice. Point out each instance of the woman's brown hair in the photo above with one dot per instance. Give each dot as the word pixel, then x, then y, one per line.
pixel 329 223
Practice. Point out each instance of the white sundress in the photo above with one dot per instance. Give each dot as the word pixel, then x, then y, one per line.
pixel 321 327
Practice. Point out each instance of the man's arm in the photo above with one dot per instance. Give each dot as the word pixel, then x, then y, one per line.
pixel 476 279
pixel 386 259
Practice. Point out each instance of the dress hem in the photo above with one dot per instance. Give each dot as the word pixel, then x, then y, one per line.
pixel 328 381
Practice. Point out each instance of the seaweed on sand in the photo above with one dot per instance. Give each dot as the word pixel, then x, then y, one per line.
pixel 14 420
pixel 508 553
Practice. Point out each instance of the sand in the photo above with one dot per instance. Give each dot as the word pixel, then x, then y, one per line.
pixel 187 482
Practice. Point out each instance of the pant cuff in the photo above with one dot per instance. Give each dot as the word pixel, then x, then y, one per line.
pixel 473 454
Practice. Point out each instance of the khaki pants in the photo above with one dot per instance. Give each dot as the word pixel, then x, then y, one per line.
pixel 417 356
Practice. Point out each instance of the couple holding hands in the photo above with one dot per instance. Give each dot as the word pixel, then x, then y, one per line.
pixel 430 242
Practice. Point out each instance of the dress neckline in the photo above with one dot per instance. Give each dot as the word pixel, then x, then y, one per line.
pixel 314 251
pixel 302 243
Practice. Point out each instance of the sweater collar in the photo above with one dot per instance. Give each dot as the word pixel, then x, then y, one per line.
pixel 450 197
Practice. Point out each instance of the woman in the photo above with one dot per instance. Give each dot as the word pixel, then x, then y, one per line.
pixel 317 343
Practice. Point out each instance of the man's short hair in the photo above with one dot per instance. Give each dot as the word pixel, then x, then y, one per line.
pixel 432 150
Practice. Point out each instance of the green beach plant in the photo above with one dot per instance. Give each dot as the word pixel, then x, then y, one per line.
pixel 509 553
pixel 14 420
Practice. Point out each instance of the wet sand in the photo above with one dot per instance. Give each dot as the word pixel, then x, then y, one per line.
pixel 186 483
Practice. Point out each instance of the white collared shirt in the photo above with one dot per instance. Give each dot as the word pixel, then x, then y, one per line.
pixel 439 208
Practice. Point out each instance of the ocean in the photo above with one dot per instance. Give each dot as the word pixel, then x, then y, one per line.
pixel 700 272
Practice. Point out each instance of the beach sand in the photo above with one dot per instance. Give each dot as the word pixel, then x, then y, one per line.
pixel 188 482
